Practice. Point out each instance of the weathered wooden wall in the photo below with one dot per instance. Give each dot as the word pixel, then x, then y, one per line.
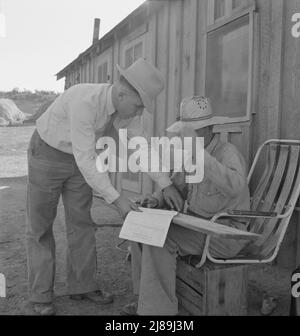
pixel 176 44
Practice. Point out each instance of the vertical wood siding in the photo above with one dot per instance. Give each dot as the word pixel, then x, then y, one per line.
pixel 176 44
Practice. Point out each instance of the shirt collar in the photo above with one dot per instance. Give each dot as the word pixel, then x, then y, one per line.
pixel 110 107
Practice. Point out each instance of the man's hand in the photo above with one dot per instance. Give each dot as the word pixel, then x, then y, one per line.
pixel 124 205
pixel 149 201
pixel 173 198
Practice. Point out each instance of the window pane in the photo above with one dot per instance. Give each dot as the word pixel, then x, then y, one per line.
pixel 238 3
pixel 235 3
pixel 227 68
pixel 138 51
pixel 219 9
pixel 128 57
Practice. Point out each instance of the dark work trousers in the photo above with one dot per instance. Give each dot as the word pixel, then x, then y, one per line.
pixel 52 173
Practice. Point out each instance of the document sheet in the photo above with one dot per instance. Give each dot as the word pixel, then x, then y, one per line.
pixel 148 227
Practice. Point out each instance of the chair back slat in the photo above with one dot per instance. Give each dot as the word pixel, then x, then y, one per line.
pixel 276 238
pixel 266 177
pixel 269 195
pixel 278 191
pixel 271 225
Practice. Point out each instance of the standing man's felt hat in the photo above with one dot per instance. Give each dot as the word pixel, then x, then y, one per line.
pixel 196 112
pixel 146 79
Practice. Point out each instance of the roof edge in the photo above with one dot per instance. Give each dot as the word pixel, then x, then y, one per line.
pixel 147 8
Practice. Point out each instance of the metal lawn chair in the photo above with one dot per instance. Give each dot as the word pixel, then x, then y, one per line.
pixel 272 205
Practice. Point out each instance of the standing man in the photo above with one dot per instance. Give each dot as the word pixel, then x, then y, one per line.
pixel 62 161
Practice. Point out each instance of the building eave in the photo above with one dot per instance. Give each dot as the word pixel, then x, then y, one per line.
pixel 140 14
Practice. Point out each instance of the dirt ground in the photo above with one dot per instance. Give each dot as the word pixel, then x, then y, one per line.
pixel 113 268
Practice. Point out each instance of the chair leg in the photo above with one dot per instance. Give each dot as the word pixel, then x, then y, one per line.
pixel 128 255
pixel 204 254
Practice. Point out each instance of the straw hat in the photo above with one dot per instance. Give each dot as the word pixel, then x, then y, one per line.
pixel 196 112
pixel 146 79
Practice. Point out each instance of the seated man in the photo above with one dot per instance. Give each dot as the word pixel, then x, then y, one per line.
pixel 224 187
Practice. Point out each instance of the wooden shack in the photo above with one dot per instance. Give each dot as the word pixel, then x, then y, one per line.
pixel 240 53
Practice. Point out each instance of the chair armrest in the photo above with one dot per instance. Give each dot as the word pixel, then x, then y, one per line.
pixel 248 213
pixel 210 228
pixel 253 214
pixel 111 225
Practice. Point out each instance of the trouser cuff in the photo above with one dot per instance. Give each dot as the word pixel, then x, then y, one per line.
pixel 82 290
pixel 41 298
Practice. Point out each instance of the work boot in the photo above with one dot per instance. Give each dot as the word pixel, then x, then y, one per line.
pixel 44 309
pixel 130 309
pixel 98 296
pixel 269 304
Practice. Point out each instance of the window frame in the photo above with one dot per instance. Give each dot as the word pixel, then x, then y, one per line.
pixel 132 44
pixel 236 14
pixel 230 12
pixel 101 66
pixel 105 57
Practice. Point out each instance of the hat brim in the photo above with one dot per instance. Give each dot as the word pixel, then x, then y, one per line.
pixel 178 126
pixel 148 103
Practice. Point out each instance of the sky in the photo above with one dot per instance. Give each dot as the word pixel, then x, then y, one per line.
pixel 38 38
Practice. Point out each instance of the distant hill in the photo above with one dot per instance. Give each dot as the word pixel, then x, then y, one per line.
pixel 34 103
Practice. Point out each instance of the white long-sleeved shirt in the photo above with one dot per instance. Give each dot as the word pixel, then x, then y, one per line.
pixel 74 123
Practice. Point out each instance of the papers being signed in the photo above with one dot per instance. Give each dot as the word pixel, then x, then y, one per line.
pixel 148 227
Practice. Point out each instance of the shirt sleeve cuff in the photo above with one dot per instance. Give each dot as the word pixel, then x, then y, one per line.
pixel 159 196
pixel 163 182
pixel 111 195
